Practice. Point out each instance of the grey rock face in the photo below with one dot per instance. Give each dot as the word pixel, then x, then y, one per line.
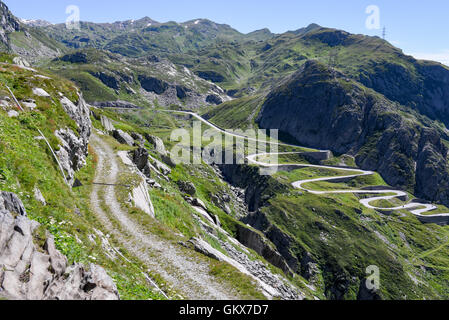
pixel 38 196
pixel 213 99
pixel 181 92
pixel 151 84
pixel 81 115
pixel 29 272
pixel 8 23
pixel 140 159
pixel 107 124
pixel 428 92
pixel 77 57
pixel 432 179
pixel 210 76
pixel 367 294
pixel 187 187
pixel 123 137
pixel 109 80
pixel 322 108
pixel 74 148
pixel 115 104
pixel 255 241
pixel 161 167
pixel 157 143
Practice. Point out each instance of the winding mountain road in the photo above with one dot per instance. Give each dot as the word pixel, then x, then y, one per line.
pixel 415 208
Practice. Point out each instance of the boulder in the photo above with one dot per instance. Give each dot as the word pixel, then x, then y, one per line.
pixel 72 154
pixel 140 158
pixel 123 137
pixel 11 203
pixel 168 161
pixel 21 62
pixel 74 147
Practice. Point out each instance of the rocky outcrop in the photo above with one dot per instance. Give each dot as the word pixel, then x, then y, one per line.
pixel 74 146
pixel 8 23
pixel 72 153
pixel 186 187
pixel 213 99
pixel 258 188
pixel 108 79
pixel 271 286
pixel 77 57
pixel 151 84
pixel 157 143
pixel 432 177
pixel 147 164
pixel 32 45
pixel 366 294
pixel 320 107
pixel 141 199
pixel 181 92
pixel 107 124
pixel 427 88
pixel 119 104
pixel 210 76
pixel 28 271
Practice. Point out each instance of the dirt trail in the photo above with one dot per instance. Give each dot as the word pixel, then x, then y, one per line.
pixel 182 272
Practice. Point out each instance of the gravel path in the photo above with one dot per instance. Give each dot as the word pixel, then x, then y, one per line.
pixel 182 272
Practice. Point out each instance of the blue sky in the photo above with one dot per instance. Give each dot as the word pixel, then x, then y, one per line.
pixel 418 27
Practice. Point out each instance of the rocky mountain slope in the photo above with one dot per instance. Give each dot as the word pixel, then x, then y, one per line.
pixel 321 107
